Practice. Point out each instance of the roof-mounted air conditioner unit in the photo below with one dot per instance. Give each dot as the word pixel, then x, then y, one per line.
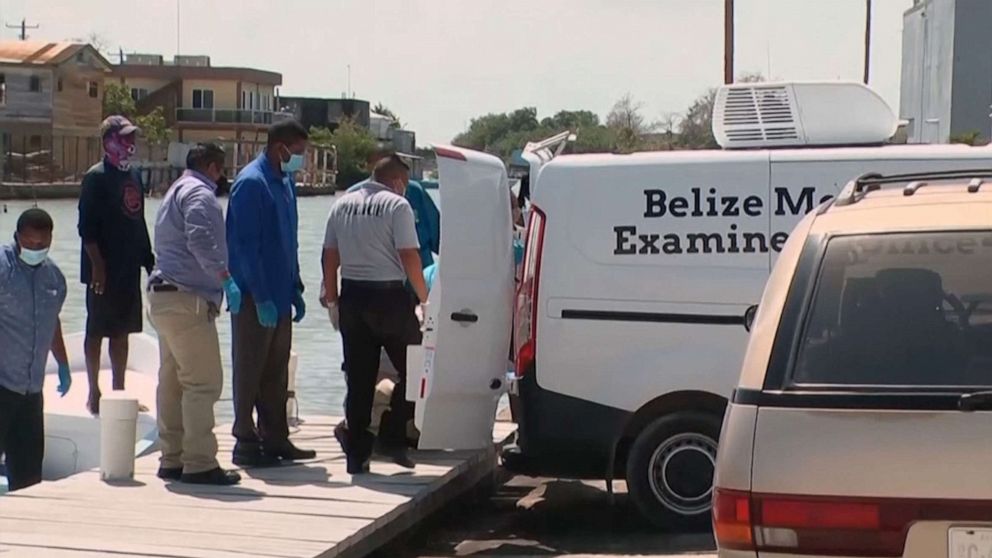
pixel 799 114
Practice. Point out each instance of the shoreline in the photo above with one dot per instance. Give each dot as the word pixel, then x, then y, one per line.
pixel 70 191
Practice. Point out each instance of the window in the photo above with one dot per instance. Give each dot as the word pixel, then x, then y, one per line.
pixel 94 89
pixel 203 99
pixel 138 93
pixel 35 142
pixel 3 90
pixel 251 100
pixel 34 84
pixel 901 310
pixel 244 99
pixel 59 85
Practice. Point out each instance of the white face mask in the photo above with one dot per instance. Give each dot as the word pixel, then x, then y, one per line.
pixel 33 257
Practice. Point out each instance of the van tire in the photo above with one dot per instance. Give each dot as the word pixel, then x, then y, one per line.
pixel 670 470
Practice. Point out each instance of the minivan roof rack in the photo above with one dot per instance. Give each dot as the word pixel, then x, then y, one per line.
pixel 856 189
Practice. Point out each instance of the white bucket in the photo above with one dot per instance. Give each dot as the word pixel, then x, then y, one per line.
pixel 118 430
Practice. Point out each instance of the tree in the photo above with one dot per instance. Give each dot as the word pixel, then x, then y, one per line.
pixel 627 122
pixel 354 145
pixel 385 111
pixel 154 128
pixel 117 100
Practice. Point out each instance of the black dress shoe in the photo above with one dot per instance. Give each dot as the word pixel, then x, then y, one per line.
pixel 289 452
pixel 170 473
pixel 357 466
pixel 216 476
pixel 256 458
pixel 398 455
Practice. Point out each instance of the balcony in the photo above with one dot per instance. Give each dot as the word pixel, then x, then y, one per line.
pixel 230 116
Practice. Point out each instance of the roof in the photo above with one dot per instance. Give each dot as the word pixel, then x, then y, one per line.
pixel 44 54
pixel 172 72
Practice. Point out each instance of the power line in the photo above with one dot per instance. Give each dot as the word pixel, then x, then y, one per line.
pixel 24 28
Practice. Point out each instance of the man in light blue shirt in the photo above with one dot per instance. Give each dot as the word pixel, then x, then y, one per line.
pixel 32 291
pixel 185 293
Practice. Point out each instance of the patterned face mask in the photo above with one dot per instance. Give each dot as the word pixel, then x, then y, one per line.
pixel 119 150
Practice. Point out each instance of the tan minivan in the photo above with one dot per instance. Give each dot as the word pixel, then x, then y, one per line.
pixel 862 422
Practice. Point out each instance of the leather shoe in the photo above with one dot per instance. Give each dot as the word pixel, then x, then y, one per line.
pixel 216 476
pixel 399 456
pixel 289 452
pixel 357 467
pixel 170 473
pixel 254 458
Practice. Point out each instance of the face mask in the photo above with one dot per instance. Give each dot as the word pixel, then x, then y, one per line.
pixel 118 151
pixel 33 257
pixel 294 163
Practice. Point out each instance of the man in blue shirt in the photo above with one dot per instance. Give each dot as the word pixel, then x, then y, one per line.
pixel 32 290
pixel 262 247
pixel 427 218
pixel 185 293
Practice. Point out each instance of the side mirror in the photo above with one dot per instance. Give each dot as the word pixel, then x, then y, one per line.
pixel 749 316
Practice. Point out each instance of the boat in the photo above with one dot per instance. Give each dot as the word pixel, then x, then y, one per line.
pixel 72 434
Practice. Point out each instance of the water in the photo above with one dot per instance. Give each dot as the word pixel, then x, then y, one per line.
pixel 320 384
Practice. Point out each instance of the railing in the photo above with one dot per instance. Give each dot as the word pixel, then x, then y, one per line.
pixel 230 116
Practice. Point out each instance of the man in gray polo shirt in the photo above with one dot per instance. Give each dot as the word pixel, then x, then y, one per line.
pixel 371 236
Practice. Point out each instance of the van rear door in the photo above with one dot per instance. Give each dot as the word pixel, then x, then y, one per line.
pixel 458 373
pixel 874 425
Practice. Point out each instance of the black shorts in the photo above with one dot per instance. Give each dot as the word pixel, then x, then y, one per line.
pixel 117 311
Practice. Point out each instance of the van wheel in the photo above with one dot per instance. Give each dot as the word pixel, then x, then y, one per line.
pixel 670 470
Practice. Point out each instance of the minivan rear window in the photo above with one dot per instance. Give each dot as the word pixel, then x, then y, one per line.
pixel 909 309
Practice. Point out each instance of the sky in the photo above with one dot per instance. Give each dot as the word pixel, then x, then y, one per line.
pixel 439 63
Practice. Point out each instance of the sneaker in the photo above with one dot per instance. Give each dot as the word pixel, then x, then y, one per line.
pixel 215 476
pixel 398 455
pixel 170 473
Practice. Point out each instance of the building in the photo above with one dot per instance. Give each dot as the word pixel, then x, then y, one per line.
pixel 50 89
pixel 51 100
pixel 326 113
pixel 946 70
pixel 202 102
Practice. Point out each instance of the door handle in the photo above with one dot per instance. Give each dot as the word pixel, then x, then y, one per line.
pixel 465 316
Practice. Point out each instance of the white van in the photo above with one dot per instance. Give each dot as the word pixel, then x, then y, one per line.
pixel 639 270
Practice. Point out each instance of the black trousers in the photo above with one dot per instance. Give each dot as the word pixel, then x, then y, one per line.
pixel 373 319
pixel 22 437
pixel 260 377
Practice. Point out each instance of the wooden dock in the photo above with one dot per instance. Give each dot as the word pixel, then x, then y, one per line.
pixel 309 509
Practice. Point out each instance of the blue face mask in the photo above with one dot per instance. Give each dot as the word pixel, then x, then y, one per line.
pixel 33 257
pixel 294 163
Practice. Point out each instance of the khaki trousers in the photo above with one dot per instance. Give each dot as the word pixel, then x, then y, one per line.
pixel 190 379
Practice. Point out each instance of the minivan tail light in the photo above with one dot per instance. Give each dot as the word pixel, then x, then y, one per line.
pixel 829 526
pixel 732 519
pixel 525 311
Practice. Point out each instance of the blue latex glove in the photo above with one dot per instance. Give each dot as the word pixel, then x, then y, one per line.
pixel 300 306
pixel 65 379
pixel 267 313
pixel 233 295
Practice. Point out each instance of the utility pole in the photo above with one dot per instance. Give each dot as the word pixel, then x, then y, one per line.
pixel 728 41
pixel 867 38
pixel 24 28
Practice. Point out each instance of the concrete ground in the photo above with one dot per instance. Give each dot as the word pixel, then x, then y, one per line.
pixel 546 517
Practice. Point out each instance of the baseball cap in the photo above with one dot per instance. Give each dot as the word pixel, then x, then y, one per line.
pixel 117 123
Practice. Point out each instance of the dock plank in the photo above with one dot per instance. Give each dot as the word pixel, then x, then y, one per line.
pixel 308 509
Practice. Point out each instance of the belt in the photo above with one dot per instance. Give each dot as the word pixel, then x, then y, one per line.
pixel 373 285
pixel 158 286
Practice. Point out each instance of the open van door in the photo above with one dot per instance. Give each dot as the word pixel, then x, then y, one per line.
pixel 458 374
